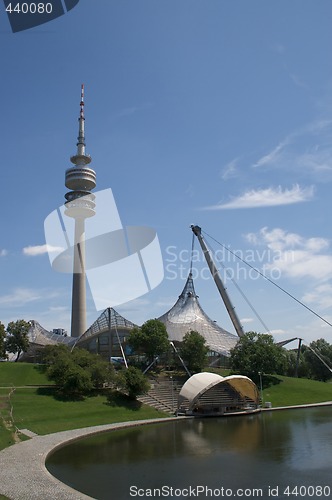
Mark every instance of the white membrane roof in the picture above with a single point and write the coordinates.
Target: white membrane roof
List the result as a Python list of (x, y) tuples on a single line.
[(187, 314)]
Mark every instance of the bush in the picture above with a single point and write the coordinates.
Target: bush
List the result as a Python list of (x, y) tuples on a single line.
[(133, 382), (76, 373)]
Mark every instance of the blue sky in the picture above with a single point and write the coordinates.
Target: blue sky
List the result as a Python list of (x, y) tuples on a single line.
[(209, 112)]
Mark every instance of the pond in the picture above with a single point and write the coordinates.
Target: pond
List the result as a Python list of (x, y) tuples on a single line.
[(277, 454)]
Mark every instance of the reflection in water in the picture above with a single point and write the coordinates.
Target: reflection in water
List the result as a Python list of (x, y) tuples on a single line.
[(258, 451)]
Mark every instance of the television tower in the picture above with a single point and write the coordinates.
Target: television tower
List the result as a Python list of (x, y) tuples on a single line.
[(80, 179)]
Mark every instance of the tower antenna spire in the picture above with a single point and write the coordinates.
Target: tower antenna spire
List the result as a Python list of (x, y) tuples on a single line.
[(81, 132), (82, 101)]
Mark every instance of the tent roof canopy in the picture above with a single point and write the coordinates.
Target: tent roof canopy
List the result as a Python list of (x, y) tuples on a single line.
[(187, 314)]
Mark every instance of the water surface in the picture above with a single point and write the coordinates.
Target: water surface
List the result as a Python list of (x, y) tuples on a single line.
[(255, 456)]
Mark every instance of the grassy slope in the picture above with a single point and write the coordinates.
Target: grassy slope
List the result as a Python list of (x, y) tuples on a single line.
[(37, 410), (293, 391), (20, 374), (43, 414)]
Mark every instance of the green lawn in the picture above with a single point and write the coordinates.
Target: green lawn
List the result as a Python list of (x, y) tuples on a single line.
[(297, 391), (20, 374), (38, 411)]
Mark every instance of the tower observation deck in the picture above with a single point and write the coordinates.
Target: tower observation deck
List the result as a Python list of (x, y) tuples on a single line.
[(80, 179)]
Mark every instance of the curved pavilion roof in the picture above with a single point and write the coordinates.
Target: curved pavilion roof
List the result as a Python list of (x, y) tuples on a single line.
[(107, 321), (200, 383), (40, 336), (187, 314)]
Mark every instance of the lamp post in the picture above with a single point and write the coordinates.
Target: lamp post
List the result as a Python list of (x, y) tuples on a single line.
[(261, 386), (171, 378)]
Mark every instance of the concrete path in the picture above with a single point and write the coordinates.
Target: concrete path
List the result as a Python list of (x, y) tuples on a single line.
[(23, 475)]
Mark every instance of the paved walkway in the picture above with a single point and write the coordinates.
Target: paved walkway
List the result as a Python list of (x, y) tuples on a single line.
[(23, 475)]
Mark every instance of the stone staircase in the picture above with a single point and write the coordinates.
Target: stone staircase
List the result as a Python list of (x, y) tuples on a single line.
[(163, 395)]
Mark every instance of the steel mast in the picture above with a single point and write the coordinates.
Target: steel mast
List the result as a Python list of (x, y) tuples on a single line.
[(222, 290)]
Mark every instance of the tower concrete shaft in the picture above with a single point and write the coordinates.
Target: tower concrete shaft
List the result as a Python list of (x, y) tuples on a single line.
[(78, 312), (80, 205)]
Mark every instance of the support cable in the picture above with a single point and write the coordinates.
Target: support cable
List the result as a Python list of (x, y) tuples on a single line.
[(308, 346), (318, 356), (120, 344), (243, 296), (271, 281)]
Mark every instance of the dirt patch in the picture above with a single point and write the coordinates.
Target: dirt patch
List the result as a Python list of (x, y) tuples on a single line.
[(6, 419)]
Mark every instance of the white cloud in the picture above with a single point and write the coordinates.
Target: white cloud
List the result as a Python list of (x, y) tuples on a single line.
[(301, 264), (277, 332), (54, 317), (295, 256), (58, 309), (308, 150), (20, 297), (32, 251), (246, 320), (278, 239), (321, 296), (268, 197), (230, 170), (3, 252), (272, 157)]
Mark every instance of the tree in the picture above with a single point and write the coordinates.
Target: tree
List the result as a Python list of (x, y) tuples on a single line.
[(76, 372), (317, 369), (291, 364), (17, 337), (100, 371), (3, 354), (51, 353), (132, 381), (150, 339), (76, 381), (194, 351), (257, 352)]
